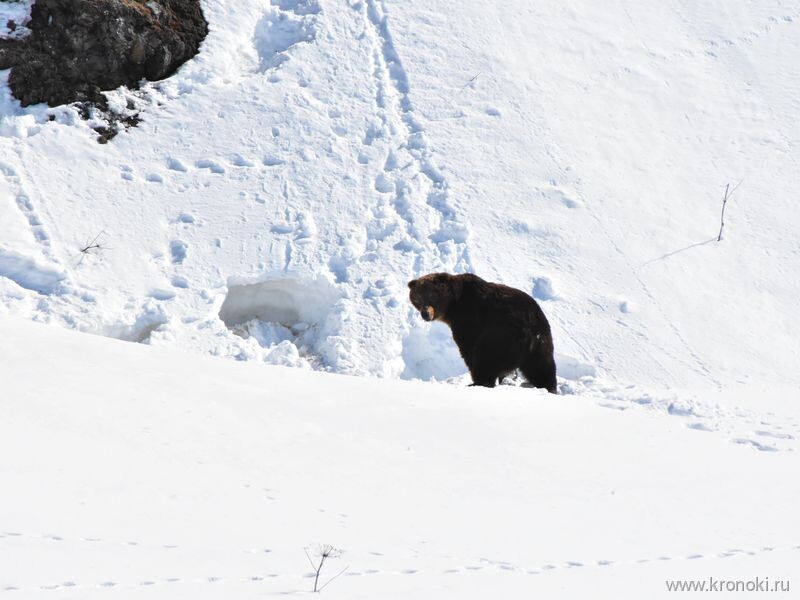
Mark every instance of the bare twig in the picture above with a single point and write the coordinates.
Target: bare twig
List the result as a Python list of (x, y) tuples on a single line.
[(93, 244), (89, 246), (722, 216), (466, 85), (728, 194), (334, 577), (311, 562), (319, 568)]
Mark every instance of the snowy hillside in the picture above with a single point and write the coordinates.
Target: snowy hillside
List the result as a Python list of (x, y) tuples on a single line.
[(326, 153), (278, 194), (146, 473)]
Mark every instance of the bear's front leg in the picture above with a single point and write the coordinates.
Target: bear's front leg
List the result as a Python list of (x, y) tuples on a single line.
[(493, 356)]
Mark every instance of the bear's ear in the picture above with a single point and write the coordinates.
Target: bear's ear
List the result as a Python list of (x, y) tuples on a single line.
[(412, 283), (457, 285)]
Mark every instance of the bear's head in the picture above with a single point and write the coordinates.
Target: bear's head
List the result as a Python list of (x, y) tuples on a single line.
[(433, 295)]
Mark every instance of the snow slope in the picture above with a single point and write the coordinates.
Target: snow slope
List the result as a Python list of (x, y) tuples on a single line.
[(595, 143), (335, 150), (142, 472), (280, 191)]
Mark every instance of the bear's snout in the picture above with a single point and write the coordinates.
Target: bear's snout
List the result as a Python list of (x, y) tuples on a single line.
[(428, 313)]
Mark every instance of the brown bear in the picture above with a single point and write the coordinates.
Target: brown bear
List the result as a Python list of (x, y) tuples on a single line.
[(497, 329)]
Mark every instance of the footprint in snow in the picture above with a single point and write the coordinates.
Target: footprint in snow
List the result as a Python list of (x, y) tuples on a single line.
[(273, 161), (175, 164), (699, 426), (185, 218), (613, 406), (237, 160), (211, 165), (774, 434), (158, 294), (755, 444), (178, 250)]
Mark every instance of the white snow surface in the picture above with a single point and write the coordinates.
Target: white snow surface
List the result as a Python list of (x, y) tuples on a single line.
[(136, 472), (279, 192), (575, 150)]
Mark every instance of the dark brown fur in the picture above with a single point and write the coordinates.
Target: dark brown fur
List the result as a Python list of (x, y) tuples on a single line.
[(497, 329)]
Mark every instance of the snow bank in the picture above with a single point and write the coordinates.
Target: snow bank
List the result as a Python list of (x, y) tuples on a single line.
[(141, 471), (29, 273), (286, 315)]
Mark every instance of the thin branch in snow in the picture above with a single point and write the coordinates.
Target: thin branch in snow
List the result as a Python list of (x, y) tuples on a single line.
[(93, 244), (324, 552), (466, 85), (728, 194), (89, 246), (334, 577)]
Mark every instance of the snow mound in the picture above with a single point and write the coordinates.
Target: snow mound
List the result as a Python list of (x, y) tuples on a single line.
[(288, 316), (146, 322), (29, 273), (285, 300), (282, 27), (429, 353)]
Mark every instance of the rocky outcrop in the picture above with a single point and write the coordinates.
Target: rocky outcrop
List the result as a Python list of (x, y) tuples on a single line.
[(78, 48)]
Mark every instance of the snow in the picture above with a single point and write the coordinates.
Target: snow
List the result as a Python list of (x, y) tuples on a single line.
[(26, 273), (267, 212), (145, 471), (581, 157), (14, 15)]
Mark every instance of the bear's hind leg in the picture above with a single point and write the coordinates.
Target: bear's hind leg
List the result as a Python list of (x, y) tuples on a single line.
[(540, 371)]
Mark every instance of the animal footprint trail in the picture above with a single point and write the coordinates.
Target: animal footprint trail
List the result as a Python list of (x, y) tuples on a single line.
[(420, 189), (465, 566), (736, 425), (27, 208)]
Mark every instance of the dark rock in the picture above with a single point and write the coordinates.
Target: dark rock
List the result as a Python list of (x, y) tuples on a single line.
[(78, 48)]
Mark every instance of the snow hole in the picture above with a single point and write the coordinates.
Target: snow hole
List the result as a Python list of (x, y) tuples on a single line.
[(285, 315)]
